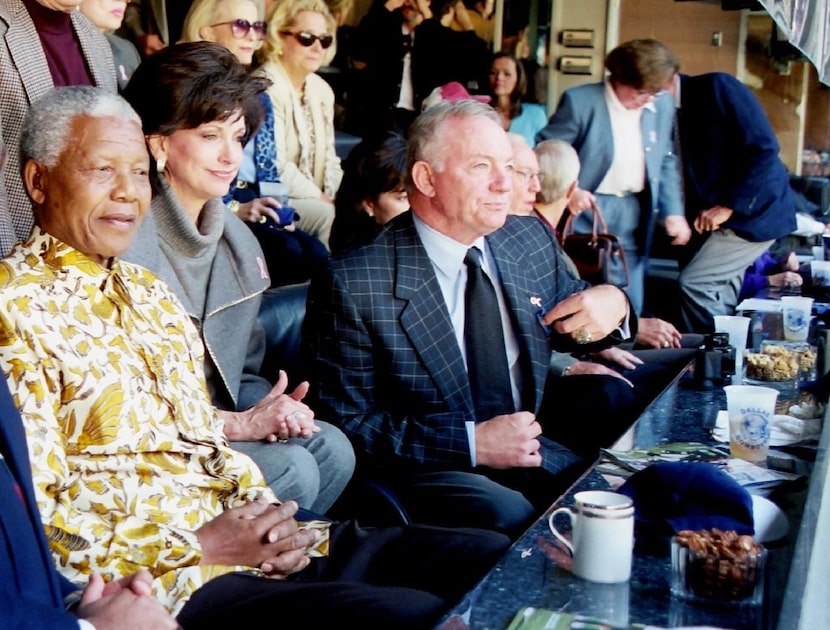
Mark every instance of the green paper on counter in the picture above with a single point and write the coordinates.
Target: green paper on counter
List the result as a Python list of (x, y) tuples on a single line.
[(530, 618)]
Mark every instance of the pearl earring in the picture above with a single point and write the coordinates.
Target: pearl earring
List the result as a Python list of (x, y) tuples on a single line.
[(160, 164)]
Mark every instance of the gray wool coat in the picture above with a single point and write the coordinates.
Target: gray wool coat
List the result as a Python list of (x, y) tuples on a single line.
[(233, 338)]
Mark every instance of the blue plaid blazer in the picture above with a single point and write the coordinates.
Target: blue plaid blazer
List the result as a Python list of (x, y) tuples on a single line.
[(384, 362)]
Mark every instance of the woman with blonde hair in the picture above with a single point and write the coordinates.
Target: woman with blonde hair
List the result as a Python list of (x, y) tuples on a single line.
[(300, 40), (236, 24)]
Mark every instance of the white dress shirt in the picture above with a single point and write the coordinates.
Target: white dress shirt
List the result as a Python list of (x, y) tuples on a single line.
[(627, 173)]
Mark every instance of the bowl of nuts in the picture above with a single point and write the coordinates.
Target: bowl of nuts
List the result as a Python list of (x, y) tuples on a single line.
[(781, 361), (717, 567)]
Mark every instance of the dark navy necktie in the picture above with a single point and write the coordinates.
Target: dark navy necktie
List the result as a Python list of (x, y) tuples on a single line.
[(487, 366)]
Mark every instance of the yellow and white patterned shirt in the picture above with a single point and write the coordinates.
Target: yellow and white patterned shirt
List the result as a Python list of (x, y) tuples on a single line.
[(128, 454)]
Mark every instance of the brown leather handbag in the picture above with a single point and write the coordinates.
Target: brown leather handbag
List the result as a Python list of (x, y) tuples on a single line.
[(594, 253)]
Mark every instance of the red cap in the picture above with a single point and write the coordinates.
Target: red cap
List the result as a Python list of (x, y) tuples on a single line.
[(452, 92)]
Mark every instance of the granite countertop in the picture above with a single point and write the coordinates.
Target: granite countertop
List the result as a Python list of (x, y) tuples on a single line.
[(533, 572)]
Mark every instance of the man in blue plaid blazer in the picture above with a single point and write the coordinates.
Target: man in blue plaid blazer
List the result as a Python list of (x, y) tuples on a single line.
[(384, 334)]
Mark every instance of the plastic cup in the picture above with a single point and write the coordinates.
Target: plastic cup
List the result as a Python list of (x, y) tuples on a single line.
[(737, 327), (278, 190), (750, 409), (818, 252), (820, 273), (796, 317)]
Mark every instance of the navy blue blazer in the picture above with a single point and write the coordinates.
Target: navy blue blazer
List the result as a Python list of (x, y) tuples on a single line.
[(32, 591), (582, 119), (385, 362), (730, 157)]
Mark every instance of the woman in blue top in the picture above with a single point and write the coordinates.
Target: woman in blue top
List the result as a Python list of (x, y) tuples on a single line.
[(508, 86)]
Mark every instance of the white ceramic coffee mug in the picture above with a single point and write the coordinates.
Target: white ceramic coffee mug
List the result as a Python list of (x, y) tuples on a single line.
[(603, 535)]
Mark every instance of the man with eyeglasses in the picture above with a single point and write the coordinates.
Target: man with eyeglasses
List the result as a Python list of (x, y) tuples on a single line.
[(622, 131), (525, 176)]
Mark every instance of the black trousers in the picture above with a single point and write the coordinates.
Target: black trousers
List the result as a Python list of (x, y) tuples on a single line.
[(395, 577)]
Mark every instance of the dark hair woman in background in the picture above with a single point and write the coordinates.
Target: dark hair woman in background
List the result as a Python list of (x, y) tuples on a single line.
[(372, 193), (508, 87)]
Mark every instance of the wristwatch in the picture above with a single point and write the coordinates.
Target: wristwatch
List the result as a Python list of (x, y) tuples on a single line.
[(233, 206)]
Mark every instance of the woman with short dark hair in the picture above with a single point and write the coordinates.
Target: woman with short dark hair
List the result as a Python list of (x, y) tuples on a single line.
[(199, 106), (292, 255), (372, 193)]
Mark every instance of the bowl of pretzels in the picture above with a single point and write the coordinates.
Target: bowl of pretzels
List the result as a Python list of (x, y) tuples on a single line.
[(717, 567)]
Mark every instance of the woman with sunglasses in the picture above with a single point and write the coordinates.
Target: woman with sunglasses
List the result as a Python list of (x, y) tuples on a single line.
[(292, 255), (236, 24), (299, 42)]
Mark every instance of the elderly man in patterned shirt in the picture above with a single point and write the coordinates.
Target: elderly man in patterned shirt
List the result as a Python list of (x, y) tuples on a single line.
[(130, 464)]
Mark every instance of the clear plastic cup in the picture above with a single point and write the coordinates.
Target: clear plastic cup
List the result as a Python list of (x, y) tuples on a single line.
[(750, 409), (737, 327), (796, 314), (820, 272)]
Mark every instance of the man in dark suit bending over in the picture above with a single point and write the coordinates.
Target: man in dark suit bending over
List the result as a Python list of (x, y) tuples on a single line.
[(392, 356), (738, 195)]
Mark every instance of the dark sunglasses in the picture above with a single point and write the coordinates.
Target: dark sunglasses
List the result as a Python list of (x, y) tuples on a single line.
[(307, 39), (240, 28)]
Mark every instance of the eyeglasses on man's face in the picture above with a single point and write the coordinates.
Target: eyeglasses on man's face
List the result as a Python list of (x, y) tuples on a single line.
[(307, 39), (240, 28), (525, 176), (648, 94)]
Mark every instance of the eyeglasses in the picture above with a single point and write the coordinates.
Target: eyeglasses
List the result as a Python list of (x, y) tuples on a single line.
[(650, 93), (240, 28), (526, 176), (307, 39)]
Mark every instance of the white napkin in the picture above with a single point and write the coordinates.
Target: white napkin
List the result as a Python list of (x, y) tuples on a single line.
[(785, 429)]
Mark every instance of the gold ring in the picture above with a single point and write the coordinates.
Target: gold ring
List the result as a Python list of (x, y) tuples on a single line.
[(583, 336), (262, 218)]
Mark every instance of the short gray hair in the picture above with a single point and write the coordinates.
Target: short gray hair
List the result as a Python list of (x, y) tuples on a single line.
[(426, 135), (558, 168), (49, 119)]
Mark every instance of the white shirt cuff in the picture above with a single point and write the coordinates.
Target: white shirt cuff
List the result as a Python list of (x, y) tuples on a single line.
[(471, 439)]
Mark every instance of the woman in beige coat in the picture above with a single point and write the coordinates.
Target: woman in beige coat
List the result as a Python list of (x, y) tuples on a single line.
[(300, 40)]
